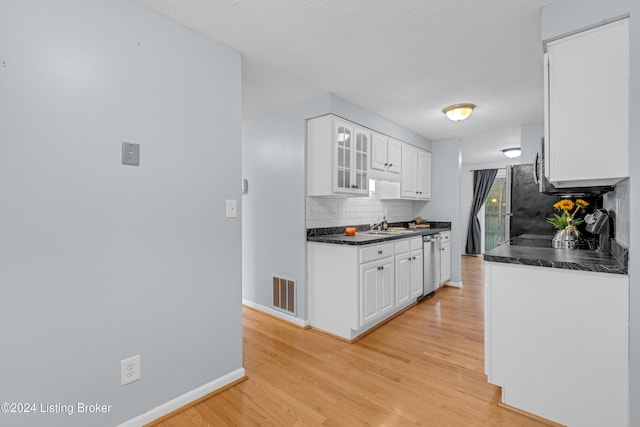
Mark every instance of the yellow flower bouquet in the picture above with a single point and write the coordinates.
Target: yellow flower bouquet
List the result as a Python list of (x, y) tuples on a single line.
[(568, 210)]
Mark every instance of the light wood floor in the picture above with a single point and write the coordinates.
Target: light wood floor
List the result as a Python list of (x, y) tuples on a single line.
[(425, 367)]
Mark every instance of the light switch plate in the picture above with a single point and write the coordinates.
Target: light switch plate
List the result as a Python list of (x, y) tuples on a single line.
[(130, 154), (232, 208)]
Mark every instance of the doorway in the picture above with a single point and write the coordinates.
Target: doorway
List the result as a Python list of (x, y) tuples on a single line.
[(496, 219)]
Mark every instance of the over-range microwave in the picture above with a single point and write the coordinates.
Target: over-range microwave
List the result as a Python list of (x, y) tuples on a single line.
[(547, 187)]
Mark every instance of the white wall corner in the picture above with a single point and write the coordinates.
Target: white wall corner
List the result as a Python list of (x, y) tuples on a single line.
[(184, 399), (454, 284), (276, 313)]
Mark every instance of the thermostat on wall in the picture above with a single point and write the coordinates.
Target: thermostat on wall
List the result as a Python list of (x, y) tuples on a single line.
[(130, 154)]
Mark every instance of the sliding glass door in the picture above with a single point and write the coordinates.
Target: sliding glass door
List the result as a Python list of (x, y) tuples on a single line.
[(496, 216)]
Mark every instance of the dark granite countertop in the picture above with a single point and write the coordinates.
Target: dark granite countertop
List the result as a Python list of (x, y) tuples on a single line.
[(570, 259), (338, 237)]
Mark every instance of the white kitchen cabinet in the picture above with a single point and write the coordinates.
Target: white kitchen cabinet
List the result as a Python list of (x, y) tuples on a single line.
[(337, 157), (376, 290), (386, 157), (587, 107), (403, 278), (409, 274), (417, 274), (556, 341), (424, 175), (445, 257), (353, 288), (416, 173)]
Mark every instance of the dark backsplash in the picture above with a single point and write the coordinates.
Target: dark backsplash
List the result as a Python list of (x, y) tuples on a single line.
[(531, 208)]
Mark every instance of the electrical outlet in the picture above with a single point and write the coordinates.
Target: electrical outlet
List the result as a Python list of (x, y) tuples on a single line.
[(130, 370)]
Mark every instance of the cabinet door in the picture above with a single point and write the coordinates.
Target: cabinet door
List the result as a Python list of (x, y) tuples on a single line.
[(369, 274), (360, 158), (424, 175), (394, 156), (445, 263), (386, 303), (378, 152), (588, 109), (343, 140), (403, 278), (416, 273), (409, 183)]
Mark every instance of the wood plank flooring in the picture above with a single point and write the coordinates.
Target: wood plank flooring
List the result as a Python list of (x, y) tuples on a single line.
[(423, 368)]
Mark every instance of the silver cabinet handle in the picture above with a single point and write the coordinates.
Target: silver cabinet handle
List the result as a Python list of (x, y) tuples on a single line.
[(380, 252)]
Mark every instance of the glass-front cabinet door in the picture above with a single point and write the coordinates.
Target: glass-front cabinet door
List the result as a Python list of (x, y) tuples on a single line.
[(362, 160), (344, 142), (352, 150)]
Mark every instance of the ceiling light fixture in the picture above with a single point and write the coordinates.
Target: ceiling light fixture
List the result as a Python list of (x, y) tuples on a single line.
[(458, 112), (512, 152)]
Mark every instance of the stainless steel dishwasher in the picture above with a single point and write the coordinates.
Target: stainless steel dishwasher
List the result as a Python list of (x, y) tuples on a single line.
[(431, 255)]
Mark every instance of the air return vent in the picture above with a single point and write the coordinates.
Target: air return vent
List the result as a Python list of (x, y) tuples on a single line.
[(284, 294)]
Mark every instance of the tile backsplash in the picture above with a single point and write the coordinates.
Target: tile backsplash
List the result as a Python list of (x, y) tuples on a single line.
[(330, 212)]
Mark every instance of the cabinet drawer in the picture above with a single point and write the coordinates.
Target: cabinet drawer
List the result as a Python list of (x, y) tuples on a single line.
[(373, 253), (402, 246), (416, 243), (446, 237)]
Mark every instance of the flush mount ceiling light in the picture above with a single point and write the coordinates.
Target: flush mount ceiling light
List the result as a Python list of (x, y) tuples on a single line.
[(458, 112), (512, 152)]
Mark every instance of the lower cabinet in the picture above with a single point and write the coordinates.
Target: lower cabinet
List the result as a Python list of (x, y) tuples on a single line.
[(353, 288), (445, 257), (409, 271), (557, 342), (376, 289)]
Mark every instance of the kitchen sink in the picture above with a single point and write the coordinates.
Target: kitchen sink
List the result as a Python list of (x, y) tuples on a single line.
[(387, 232)]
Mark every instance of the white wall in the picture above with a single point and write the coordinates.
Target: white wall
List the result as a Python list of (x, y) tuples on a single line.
[(273, 160), (101, 261), (530, 142), (445, 196), (566, 16), (273, 218)]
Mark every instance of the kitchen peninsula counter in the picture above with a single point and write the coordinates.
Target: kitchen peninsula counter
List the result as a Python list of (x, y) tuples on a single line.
[(550, 316), (571, 259)]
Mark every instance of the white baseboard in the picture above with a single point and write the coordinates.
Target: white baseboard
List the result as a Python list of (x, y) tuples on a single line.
[(454, 284), (275, 313), (184, 399)]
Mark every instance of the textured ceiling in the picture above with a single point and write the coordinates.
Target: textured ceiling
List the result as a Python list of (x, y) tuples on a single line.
[(403, 60)]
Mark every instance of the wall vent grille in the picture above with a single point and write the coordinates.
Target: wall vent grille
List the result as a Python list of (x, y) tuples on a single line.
[(284, 294)]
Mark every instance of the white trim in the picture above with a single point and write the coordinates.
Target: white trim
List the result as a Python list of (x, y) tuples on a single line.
[(454, 284), (184, 399), (276, 313)]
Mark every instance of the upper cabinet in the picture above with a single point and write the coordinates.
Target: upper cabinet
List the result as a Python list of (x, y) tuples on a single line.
[(416, 173), (386, 157), (587, 107), (337, 157), (342, 157)]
